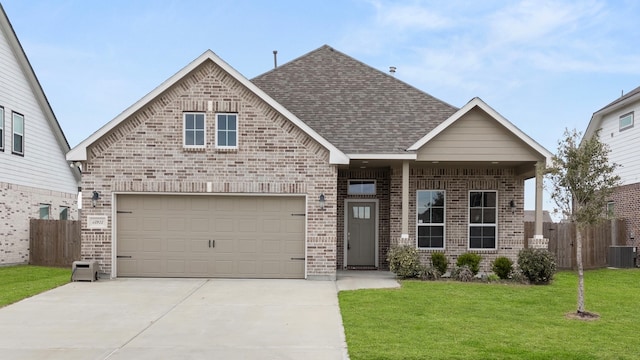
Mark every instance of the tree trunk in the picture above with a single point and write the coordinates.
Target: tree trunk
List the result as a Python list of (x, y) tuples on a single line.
[(580, 270)]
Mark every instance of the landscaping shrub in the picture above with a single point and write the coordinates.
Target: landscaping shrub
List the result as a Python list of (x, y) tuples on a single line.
[(472, 260), (537, 265), (439, 261), (429, 273), (463, 273), (404, 261), (502, 267)]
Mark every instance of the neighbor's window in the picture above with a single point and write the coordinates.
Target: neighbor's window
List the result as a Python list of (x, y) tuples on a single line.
[(194, 130), (64, 213), (227, 131), (626, 121), (430, 208), (483, 216), (45, 211), (361, 187), (1, 128), (18, 133), (610, 209)]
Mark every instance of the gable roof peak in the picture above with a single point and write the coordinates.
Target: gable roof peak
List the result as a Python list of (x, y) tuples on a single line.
[(79, 153)]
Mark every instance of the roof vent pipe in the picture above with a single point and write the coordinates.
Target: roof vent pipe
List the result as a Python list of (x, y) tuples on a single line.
[(392, 70), (275, 59)]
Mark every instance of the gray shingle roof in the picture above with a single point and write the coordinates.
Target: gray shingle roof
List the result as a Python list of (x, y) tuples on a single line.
[(355, 107), (622, 98)]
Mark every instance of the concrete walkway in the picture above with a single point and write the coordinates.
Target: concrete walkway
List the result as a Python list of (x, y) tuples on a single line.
[(181, 319)]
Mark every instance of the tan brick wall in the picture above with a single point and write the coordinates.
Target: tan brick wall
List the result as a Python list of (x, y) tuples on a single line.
[(458, 182), (145, 154), (19, 204), (627, 206)]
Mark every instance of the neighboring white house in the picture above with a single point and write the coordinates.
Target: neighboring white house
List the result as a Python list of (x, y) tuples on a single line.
[(619, 132), (35, 179)]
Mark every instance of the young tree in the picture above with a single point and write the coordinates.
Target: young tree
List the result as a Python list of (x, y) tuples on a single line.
[(582, 180)]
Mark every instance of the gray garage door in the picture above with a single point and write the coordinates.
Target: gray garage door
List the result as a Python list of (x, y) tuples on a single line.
[(210, 236)]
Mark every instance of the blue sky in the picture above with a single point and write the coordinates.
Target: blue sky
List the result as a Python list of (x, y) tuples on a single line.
[(544, 65)]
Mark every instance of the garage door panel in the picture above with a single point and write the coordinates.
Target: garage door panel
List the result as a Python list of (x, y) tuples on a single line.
[(152, 224), (168, 235), (152, 203), (150, 245), (176, 224), (223, 268)]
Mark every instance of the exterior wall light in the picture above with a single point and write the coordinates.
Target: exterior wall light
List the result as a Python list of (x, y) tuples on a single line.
[(512, 205), (322, 201), (95, 198)]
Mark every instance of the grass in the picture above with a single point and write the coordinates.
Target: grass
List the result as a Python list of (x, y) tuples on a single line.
[(23, 281), (452, 320)]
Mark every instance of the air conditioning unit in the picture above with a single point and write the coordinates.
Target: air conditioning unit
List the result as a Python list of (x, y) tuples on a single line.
[(622, 256), (84, 271)]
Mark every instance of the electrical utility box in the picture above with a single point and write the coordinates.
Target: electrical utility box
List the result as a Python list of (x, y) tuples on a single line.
[(84, 271)]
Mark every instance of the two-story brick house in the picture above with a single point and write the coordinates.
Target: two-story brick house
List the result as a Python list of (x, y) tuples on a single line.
[(319, 164), (35, 178)]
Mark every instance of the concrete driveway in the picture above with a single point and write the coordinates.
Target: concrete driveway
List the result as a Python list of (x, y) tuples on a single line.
[(177, 319)]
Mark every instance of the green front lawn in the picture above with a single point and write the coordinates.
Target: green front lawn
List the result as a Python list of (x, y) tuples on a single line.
[(22, 281), (453, 320)]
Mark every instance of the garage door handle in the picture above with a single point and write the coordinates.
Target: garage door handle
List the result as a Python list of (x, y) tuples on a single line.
[(297, 258), (123, 257), (212, 243)]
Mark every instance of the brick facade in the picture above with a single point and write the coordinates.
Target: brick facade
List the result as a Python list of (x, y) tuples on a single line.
[(19, 204), (457, 182), (144, 154), (627, 206)]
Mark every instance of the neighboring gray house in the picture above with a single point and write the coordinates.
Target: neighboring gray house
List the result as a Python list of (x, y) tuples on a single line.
[(317, 165), (618, 131), (35, 179)]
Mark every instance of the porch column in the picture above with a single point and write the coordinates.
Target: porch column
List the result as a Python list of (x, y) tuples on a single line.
[(539, 188), (405, 201)]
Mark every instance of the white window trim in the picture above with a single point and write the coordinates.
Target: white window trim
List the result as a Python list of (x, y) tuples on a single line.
[(40, 207), (444, 224), (13, 133), (469, 224), (237, 131), (629, 114), (184, 130), (375, 186), (2, 128)]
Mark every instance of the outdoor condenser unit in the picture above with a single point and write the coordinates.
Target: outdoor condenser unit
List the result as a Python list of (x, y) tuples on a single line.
[(84, 270), (622, 256)]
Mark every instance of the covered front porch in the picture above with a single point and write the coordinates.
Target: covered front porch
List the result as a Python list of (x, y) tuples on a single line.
[(458, 189)]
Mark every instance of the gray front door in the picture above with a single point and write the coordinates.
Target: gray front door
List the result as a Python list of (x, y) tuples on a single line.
[(361, 234)]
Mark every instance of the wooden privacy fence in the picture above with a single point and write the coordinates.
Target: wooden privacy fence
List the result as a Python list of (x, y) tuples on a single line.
[(54, 242), (595, 245)]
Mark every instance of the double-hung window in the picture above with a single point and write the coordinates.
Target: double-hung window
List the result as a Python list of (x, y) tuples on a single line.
[(194, 130), (483, 216), (430, 208), (18, 133), (1, 128), (227, 131)]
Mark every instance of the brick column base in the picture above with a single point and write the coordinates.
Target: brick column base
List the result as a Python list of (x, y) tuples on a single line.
[(539, 243)]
